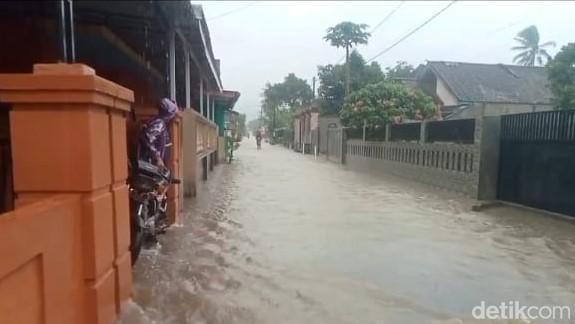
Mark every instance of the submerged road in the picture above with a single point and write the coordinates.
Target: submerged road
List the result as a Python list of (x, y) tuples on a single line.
[(278, 237)]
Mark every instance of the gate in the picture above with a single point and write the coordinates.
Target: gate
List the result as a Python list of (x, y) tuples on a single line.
[(537, 160), (335, 145)]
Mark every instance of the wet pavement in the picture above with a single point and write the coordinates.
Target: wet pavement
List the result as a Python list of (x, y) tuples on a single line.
[(278, 237)]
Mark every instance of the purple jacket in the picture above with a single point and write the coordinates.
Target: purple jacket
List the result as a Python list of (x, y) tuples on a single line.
[(155, 135), (153, 140)]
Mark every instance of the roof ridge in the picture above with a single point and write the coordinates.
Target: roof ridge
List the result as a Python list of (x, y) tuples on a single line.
[(489, 64)]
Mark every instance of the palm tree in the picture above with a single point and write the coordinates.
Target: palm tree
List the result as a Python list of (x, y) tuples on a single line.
[(530, 48), (347, 34)]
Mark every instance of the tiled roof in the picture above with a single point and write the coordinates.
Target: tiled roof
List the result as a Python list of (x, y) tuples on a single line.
[(474, 82)]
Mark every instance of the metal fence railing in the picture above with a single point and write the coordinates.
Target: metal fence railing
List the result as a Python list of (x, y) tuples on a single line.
[(371, 133), (545, 126), (405, 132), (536, 159), (460, 131)]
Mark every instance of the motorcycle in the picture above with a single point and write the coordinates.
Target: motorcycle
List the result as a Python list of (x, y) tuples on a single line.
[(259, 142), (149, 185)]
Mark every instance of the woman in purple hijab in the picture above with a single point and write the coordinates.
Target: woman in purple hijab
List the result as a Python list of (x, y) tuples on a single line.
[(155, 136)]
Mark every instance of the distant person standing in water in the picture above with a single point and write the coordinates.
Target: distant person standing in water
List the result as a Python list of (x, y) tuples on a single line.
[(259, 139)]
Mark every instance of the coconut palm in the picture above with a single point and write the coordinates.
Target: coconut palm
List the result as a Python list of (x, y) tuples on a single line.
[(347, 34), (531, 50)]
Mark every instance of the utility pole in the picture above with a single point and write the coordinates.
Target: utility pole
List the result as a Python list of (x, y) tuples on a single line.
[(274, 124), (347, 70), (313, 86)]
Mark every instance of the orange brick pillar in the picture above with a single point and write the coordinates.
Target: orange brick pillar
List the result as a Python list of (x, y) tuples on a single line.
[(175, 193), (190, 152), (68, 129)]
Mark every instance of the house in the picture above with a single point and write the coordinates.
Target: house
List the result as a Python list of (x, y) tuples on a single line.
[(77, 78), (306, 126), (468, 90), (224, 103)]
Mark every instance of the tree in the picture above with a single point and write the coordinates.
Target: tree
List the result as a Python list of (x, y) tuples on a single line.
[(295, 92), (331, 90), (531, 50), (242, 125), (401, 70), (254, 125), (381, 103), (281, 99), (561, 74), (271, 102), (347, 34)]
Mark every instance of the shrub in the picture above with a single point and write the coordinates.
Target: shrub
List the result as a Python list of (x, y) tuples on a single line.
[(385, 102)]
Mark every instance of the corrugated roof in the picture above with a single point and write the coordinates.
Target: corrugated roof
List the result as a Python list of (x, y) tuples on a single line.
[(198, 13), (227, 98), (475, 82)]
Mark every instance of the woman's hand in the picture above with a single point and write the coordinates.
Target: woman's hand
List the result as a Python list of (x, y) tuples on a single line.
[(160, 162)]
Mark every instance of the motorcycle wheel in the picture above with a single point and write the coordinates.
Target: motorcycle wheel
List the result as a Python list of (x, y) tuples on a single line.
[(136, 238)]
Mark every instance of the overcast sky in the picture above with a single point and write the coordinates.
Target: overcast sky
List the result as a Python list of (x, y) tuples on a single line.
[(261, 42)]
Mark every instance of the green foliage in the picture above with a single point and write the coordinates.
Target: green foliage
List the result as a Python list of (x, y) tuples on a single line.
[(295, 92), (254, 125), (331, 90), (284, 119), (401, 70), (347, 34), (292, 93), (561, 74), (280, 100), (241, 125), (531, 50), (380, 103)]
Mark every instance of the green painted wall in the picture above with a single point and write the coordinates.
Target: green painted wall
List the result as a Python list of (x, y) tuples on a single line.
[(219, 116)]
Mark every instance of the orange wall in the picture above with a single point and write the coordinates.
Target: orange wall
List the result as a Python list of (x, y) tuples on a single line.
[(41, 278), (65, 248), (68, 136)]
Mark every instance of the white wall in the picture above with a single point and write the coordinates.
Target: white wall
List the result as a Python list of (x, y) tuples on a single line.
[(296, 132), (314, 122), (444, 94)]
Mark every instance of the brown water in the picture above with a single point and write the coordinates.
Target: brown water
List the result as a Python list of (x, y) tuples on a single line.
[(277, 237)]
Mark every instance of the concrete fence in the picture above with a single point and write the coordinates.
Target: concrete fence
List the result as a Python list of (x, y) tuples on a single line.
[(207, 136), (471, 169), (450, 166), (200, 145)]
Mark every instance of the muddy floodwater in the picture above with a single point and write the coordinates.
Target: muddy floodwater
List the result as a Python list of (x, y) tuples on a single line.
[(278, 237)]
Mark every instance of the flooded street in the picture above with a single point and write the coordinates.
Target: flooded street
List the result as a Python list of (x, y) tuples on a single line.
[(278, 237)]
